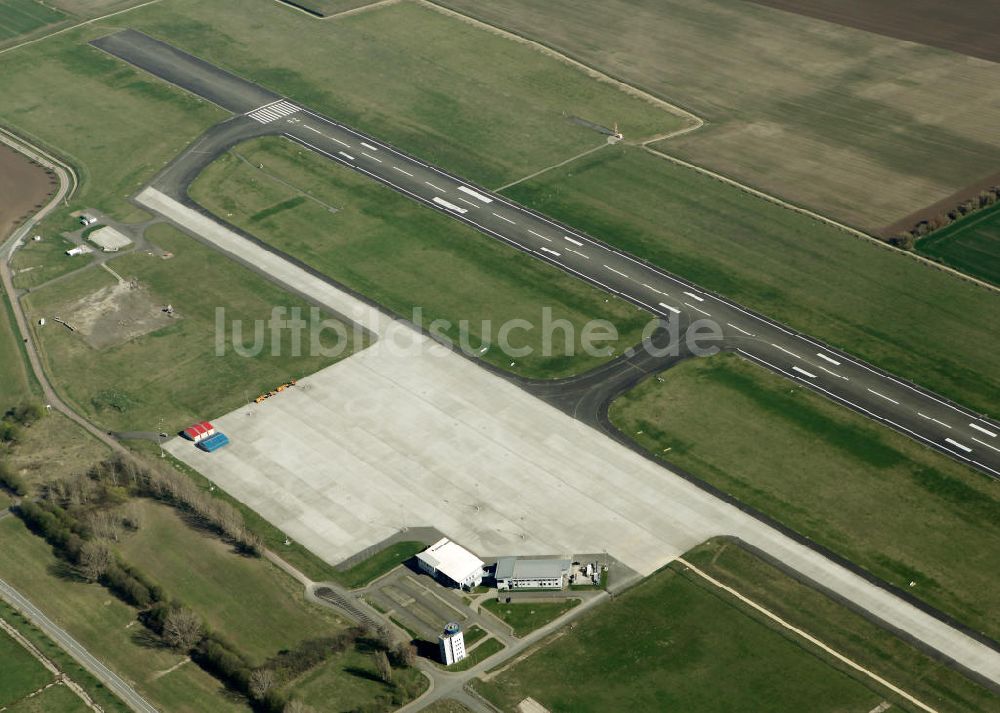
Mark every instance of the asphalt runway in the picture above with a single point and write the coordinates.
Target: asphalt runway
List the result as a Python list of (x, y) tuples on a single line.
[(903, 406)]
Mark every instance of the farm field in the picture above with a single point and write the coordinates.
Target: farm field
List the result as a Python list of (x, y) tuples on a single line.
[(971, 245), (105, 626), (842, 121), (256, 606), (970, 27), (22, 673), (883, 307), (828, 474), (20, 17), (486, 107), (404, 256), (679, 645), (132, 384)]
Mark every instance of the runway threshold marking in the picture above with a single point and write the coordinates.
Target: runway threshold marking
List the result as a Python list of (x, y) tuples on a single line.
[(475, 194), (346, 155), (955, 443), (369, 146), (539, 235), (449, 206), (803, 371), (931, 418), (407, 173), (983, 430), (575, 242), (550, 250), (884, 396)]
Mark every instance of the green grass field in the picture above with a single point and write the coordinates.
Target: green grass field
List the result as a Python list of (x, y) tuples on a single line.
[(57, 699), (477, 655), (349, 682), (405, 256), (37, 263), (95, 689), (378, 564), (900, 510), (971, 245), (16, 382), (22, 673), (19, 17), (131, 386), (106, 627), (329, 7), (672, 643), (823, 115), (881, 306), (252, 603), (525, 617), (854, 636), (490, 109)]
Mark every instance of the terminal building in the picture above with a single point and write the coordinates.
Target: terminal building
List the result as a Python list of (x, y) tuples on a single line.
[(452, 563), (451, 643), (514, 573)]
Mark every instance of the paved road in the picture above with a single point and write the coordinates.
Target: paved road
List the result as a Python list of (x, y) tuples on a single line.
[(924, 416), (104, 674)]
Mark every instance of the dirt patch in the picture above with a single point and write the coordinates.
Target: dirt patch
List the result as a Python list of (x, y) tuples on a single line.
[(970, 27), (24, 185), (116, 314)]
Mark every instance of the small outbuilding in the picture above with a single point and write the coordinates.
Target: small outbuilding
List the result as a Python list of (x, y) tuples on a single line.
[(515, 573), (199, 431), (213, 443), (452, 563)]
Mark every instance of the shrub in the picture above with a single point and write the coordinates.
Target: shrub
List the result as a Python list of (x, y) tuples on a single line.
[(12, 481)]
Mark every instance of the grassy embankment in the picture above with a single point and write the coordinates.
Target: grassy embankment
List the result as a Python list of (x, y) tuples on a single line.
[(402, 255), (900, 510), (172, 373), (678, 642), (971, 245), (883, 307)]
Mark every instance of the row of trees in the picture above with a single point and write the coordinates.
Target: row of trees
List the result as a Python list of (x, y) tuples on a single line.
[(907, 239)]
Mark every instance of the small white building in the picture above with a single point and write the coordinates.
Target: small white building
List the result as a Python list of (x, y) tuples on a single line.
[(87, 220), (453, 563), (514, 573), (451, 643), (79, 250)]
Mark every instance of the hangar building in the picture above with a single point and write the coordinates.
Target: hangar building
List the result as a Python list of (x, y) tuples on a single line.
[(453, 563), (514, 573)]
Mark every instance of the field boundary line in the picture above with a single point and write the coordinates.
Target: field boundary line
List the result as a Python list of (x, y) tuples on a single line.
[(592, 72), (79, 24), (816, 216), (808, 637), (343, 13)]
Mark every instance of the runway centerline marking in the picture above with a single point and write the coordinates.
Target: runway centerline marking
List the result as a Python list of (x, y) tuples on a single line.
[(738, 329), (697, 309), (983, 430), (436, 188), (617, 272), (539, 235), (833, 373), (346, 155), (931, 418), (650, 287), (376, 160), (571, 250), (825, 357), (575, 242), (468, 202), (884, 396), (672, 309), (369, 146), (502, 218), (786, 351), (475, 194), (693, 296), (306, 126), (402, 171)]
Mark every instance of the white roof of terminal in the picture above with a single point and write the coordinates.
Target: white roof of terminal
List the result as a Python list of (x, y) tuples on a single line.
[(451, 560)]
